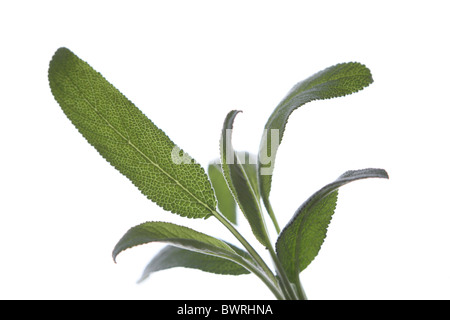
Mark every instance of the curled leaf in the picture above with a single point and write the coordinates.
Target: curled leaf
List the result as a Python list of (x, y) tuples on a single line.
[(300, 241), (240, 183), (336, 81)]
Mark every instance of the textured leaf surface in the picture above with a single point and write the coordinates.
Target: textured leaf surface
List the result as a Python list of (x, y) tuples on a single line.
[(172, 257), (240, 184), (336, 81), (175, 235), (300, 241), (127, 139)]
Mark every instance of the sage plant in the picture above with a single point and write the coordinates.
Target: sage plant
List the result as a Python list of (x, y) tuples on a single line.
[(239, 182)]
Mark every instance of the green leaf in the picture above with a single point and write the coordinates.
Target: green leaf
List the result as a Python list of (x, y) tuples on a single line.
[(248, 162), (336, 81), (179, 236), (172, 257), (128, 140), (225, 200), (240, 184), (301, 239)]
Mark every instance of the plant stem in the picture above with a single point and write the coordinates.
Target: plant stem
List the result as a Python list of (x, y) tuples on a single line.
[(300, 292), (272, 215), (285, 283), (295, 290), (268, 277), (260, 274)]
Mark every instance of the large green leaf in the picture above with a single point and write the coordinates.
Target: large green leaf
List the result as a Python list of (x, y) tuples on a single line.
[(128, 140), (240, 184), (301, 239), (179, 236), (336, 81), (172, 257)]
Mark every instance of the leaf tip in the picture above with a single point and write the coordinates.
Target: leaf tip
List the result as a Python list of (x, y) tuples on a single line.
[(366, 173), (114, 255)]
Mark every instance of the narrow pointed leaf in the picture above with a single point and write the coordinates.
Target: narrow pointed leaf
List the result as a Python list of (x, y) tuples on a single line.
[(128, 140), (336, 81), (249, 164), (172, 257), (240, 184), (178, 236), (225, 200), (301, 239)]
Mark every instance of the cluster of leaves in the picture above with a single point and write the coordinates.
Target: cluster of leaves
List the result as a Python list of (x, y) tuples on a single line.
[(136, 147)]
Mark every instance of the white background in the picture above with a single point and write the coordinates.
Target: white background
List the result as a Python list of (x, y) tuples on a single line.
[(186, 64)]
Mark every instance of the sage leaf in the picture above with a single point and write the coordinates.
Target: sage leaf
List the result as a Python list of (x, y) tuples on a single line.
[(300, 241), (240, 184), (225, 200), (172, 257), (336, 81), (249, 164), (128, 140), (179, 236)]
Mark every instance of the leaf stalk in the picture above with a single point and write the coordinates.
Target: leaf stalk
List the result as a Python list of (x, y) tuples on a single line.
[(267, 276)]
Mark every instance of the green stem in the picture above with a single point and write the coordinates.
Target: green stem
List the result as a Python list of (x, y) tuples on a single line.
[(268, 278), (300, 292), (260, 274), (272, 215), (285, 283)]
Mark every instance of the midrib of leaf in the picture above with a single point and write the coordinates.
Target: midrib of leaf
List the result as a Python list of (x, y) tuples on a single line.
[(129, 142)]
